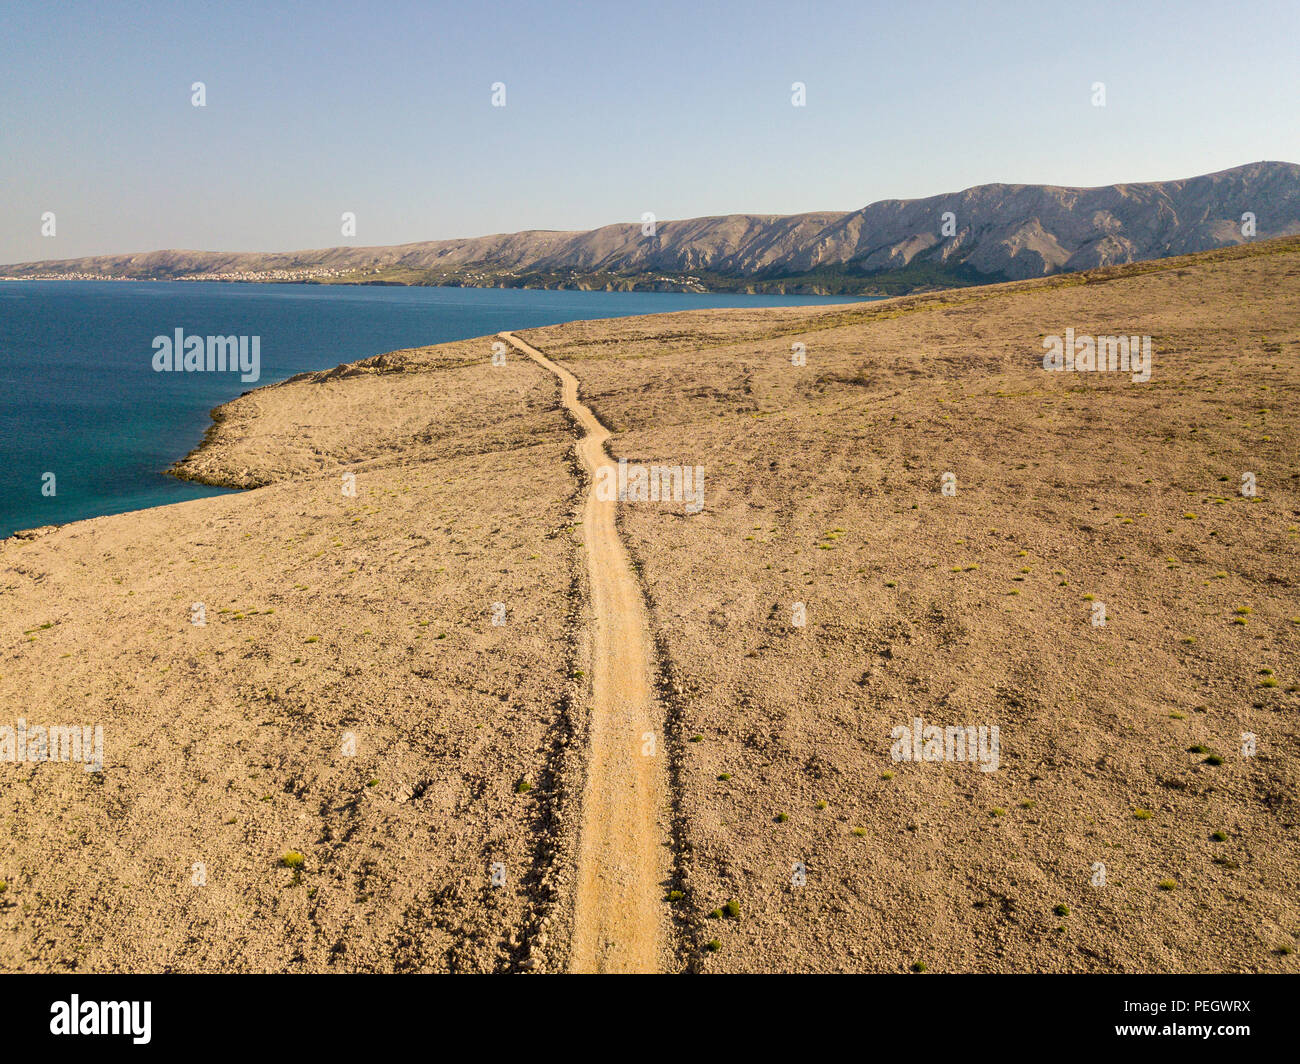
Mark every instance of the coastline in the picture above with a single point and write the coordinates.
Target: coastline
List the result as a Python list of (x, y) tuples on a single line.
[(217, 460), (216, 479), (164, 448), (371, 614), (635, 284)]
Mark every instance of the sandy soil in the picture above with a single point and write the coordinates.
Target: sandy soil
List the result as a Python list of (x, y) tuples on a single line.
[(326, 615), (824, 487), (794, 840)]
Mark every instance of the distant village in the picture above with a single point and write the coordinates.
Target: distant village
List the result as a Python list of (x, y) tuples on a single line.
[(302, 273), (466, 278)]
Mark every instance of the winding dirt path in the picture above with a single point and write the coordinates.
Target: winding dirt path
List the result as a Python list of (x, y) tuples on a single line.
[(622, 854)]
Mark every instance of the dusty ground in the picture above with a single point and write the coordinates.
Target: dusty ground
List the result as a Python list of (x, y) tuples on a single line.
[(1119, 745), (823, 487), (623, 868), (326, 615)]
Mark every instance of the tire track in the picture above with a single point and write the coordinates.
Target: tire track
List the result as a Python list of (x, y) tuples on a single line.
[(623, 865)]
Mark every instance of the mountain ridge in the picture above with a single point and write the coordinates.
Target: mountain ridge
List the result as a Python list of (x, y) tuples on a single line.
[(997, 232)]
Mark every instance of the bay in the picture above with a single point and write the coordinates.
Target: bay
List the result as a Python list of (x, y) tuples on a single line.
[(79, 398)]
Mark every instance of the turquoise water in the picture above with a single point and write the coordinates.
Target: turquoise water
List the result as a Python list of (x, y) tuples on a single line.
[(79, 397)]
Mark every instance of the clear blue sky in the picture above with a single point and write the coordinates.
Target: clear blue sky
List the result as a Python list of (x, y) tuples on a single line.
[(613, 109)]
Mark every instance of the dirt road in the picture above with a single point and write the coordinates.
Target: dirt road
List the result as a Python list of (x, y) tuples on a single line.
[(622, 856)]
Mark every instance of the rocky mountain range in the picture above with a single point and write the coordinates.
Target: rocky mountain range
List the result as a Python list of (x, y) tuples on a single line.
[(987, 233)]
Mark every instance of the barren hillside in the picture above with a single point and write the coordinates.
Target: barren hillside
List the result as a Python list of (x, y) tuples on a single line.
[(1120, 744), (987, 233)]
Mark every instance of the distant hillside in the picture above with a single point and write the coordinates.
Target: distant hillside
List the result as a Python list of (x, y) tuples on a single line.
[(998, 232)]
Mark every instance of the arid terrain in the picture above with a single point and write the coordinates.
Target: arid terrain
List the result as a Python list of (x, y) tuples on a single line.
[(381, 750)]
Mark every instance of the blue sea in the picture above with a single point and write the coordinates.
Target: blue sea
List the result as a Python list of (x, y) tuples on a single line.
[(79, 397)]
